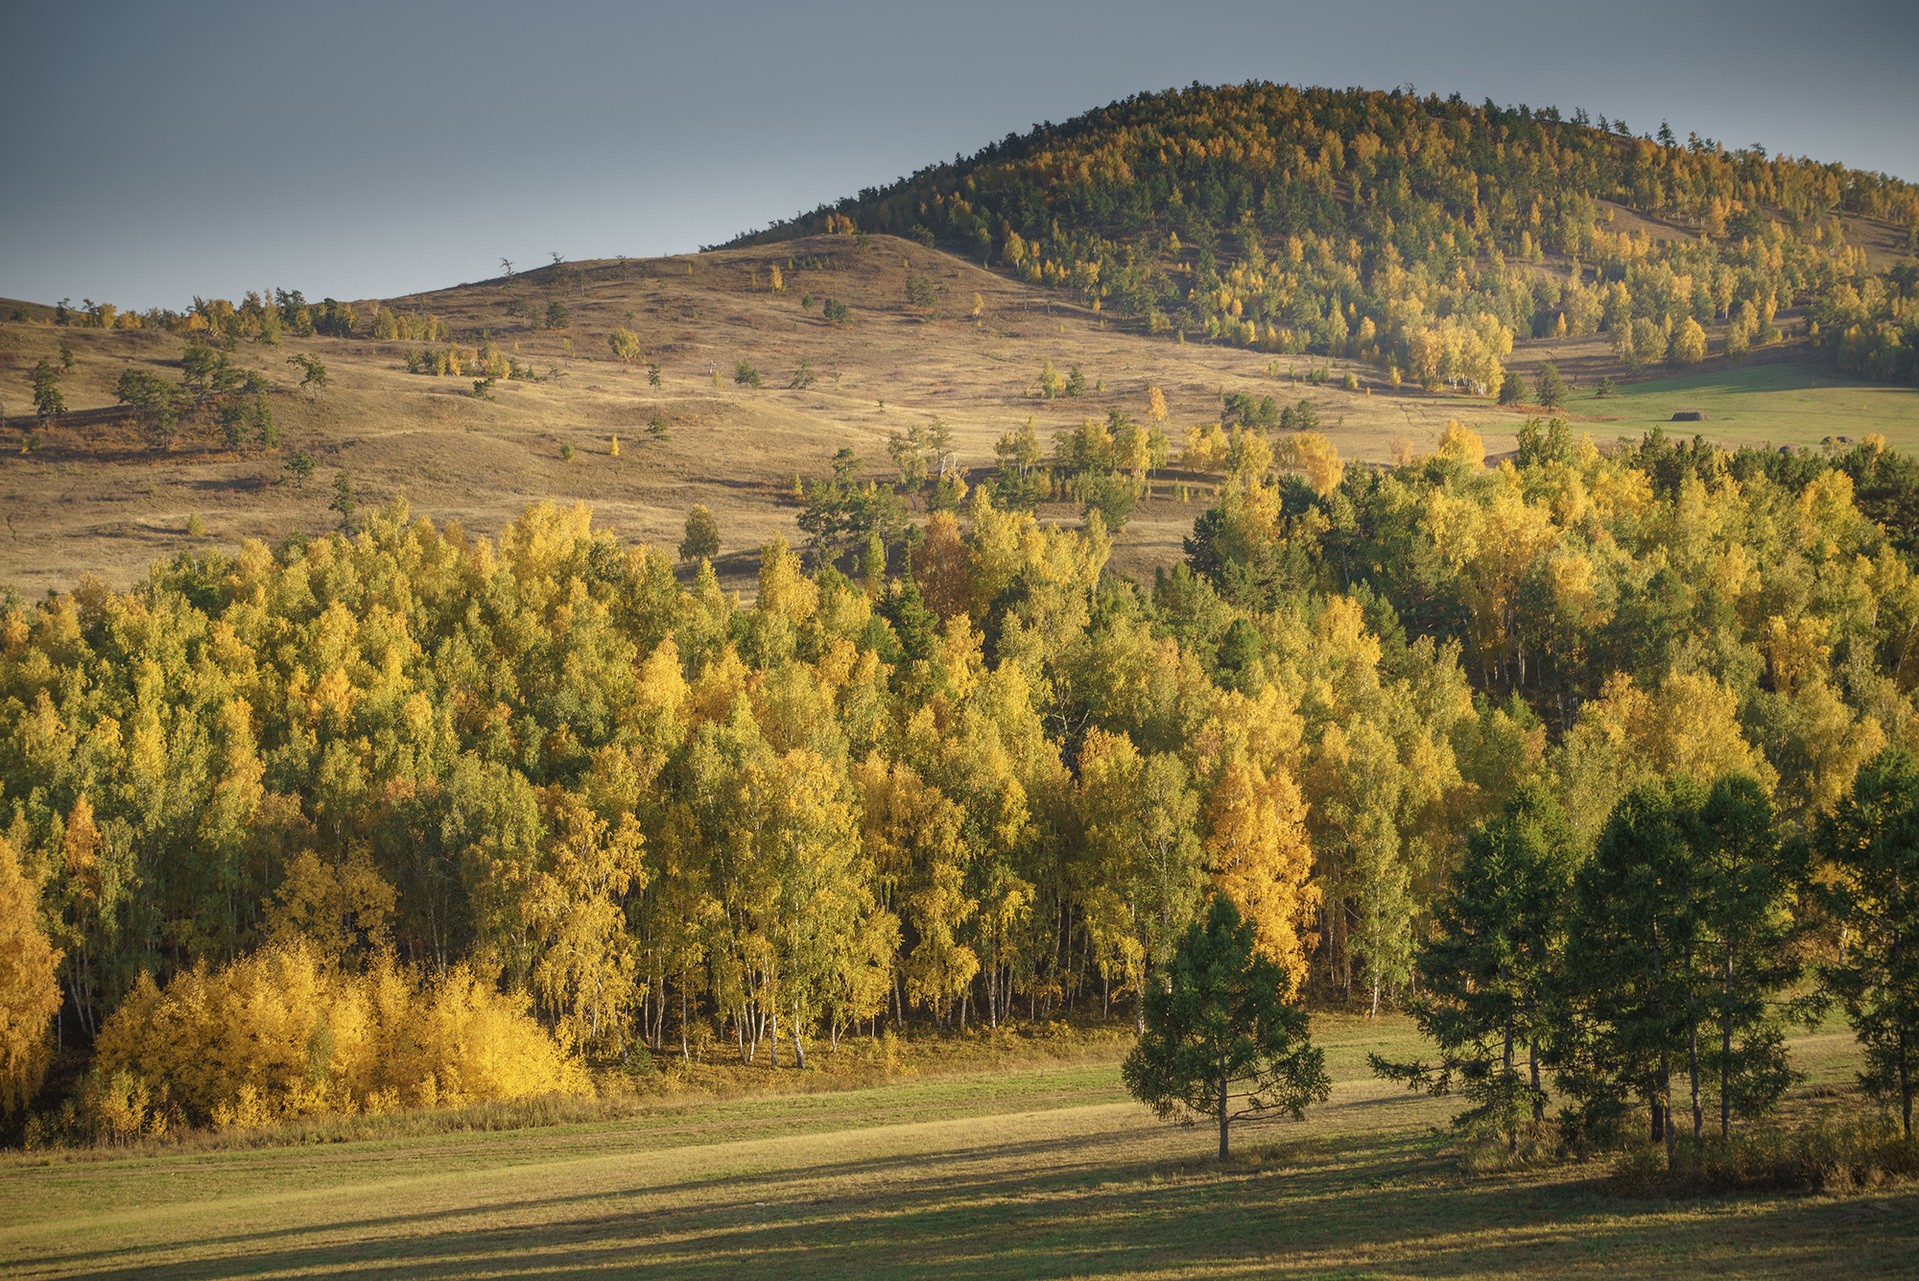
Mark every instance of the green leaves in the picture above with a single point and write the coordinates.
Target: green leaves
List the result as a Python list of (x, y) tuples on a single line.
[(1221, 1040)]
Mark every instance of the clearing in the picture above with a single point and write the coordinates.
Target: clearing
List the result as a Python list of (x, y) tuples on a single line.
[(1769, 403)]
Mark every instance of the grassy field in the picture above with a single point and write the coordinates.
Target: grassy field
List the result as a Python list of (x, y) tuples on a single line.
[(1773, 403), (1037, 1171)]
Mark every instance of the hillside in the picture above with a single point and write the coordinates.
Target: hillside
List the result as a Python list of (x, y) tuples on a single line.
[(1207, 242), (1420, 235), (95, 494)]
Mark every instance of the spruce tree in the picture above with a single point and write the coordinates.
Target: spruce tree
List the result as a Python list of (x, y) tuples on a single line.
[(1745, 887)]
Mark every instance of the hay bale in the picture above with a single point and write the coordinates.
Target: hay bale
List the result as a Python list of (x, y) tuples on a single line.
[(1689, 416)]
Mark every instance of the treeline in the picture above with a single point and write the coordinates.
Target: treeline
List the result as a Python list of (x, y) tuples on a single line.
[(985, 780), (1663, 968), (262, 317), (1420, 234)]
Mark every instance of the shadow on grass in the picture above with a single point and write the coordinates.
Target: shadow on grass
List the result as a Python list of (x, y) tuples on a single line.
[(1071, 1206)]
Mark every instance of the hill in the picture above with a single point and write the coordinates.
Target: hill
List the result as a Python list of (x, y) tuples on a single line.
[(94, 492), (1257, 241), (1421, 235)]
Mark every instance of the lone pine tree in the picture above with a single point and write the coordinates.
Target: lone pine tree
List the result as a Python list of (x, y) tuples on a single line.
[(1222, 1039)]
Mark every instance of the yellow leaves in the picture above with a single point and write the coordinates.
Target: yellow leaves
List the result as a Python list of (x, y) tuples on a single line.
[(1828, 518), (1313, 456), (1795, 650), (1260, 857), (939, 565), (1460, 443), (1155, 405), (340, 907), (29, 991), (278, 1034), (721, 684), (1205, 448), (785, 590), (1248, 452)]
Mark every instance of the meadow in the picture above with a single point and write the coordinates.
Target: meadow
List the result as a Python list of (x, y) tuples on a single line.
[(1036, 1167), (1763, 403)]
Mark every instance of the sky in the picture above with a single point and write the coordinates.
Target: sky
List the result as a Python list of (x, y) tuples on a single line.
[(160, 151)]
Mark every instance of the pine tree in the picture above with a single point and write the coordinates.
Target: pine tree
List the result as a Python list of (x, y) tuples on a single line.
[(1874, 840), (1549, 387), (47, 400), (1222, 1040), (1485, 973), (1630, 1004)]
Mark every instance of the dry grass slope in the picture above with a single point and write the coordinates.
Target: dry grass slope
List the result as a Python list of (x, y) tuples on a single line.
[(91, 497)]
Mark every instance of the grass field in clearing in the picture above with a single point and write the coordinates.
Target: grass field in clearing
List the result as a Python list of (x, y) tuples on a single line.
[(1777, 403), (1041, 1171)]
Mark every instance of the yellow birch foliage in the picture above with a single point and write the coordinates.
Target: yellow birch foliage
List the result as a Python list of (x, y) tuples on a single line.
[(29, 994), (278, 1034)]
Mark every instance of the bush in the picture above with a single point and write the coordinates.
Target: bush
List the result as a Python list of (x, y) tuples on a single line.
[(278, 1034), (1837, 1158), (746, 375)]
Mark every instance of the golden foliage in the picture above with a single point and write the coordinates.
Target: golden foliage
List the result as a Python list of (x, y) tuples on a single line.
[(277, 1033), (29, 992)]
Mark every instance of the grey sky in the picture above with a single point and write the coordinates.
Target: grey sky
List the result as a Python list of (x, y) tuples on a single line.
[(157, 151)]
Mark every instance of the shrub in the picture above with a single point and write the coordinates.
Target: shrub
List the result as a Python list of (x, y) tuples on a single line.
[(1837, 1158), (278, 1034)]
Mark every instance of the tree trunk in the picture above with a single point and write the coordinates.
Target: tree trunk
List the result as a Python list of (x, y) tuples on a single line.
[(799, 1049), (1692, 1071), (1223, 1121), (773, 1041), (1506, 1061), (1725, 1054), (1539, 1095)]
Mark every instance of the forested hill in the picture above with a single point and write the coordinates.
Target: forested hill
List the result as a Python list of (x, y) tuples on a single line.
[(1420, 233)]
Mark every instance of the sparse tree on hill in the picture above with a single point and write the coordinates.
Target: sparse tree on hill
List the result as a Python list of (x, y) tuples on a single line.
[(1222, 1040), (702, 540), (313, 369), (1549, 387), (746, 374), (345, 501), (47, 400), (625, 344), (1155, 405)]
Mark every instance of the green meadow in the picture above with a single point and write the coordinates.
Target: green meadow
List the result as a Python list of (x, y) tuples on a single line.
[(1758, 404), (1041, 1169)]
